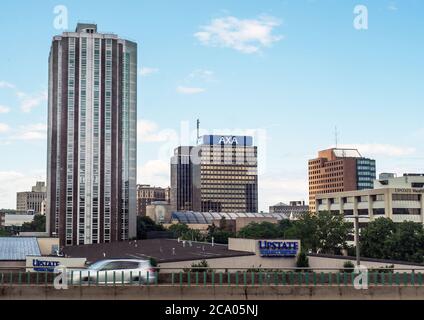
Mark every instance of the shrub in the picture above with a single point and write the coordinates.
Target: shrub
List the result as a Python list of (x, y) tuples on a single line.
[(348, 267), (302, 262), (202, 266)]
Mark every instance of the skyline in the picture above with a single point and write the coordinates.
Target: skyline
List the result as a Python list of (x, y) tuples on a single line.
[(273, 58)]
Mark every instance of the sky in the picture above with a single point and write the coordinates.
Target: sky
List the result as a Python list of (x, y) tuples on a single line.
[(286, 71)]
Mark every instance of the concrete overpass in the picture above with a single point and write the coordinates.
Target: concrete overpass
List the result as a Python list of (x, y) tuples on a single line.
[(169, 292)]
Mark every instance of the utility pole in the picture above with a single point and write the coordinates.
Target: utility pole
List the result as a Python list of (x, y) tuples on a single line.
[(358, 253)]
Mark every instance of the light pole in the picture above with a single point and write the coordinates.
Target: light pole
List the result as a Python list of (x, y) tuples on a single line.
[(356, 226)]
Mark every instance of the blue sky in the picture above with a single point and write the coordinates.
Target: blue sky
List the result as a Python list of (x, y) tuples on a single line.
[(292, 70)]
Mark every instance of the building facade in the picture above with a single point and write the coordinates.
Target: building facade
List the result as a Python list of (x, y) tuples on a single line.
[(182, 180), (339, 170), (218, 175), (397, 204), (32, 201), (294, 207), (92, 137), (147, 194)]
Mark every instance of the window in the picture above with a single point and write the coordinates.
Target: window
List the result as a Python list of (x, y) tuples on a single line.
[(363, 212), (406, 211), (406, 197)]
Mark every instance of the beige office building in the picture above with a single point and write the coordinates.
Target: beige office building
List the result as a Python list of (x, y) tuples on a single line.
[(400, 199), (32, 201)]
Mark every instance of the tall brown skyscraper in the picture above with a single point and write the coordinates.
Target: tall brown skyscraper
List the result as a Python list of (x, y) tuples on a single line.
[(220, 174), (92, 133), (338, 170)]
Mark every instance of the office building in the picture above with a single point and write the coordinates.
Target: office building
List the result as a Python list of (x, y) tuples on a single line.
[(147, 194), (217, 175), (408, 180), (181, 179), (397, 204), (294, 207), (339, 170), (32, 201), (92, 137)]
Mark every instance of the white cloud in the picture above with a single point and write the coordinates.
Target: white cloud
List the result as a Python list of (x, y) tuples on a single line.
[(201, 74), (392, 6), (148, 131), (28, 102), (4, 127), (146, 71), (275, 188), (381, 150), (4, 109), (244, 35), (6, 85), (189, 90), (12, 182), (155, 172), (36, 131)]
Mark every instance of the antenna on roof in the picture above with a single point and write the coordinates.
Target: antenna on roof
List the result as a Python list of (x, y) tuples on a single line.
[(336, 136)]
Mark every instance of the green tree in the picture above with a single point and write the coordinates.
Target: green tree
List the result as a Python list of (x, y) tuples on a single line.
[(407, 243), (263, 230), (302, 261), (323, 232), (37, 225), (4, 233), (377, 237), (145, 225), (220, 234), (179, 229)]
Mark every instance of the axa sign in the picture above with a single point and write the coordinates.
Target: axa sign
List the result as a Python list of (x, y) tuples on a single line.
[(279, 248), (228, 140)]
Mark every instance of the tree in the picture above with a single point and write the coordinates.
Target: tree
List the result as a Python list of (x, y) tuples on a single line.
[(333, 232), (179, 229), (375, 238), (302, 261), (323, 232), (4, 233), (263, 230), (145, 225), (220, 234), (304, 229), (37, 225), (407, 243), (385, 239)]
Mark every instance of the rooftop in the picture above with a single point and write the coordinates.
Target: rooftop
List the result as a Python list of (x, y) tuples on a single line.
[(347, 153), (190, 217), (16, 249), (163, 250)]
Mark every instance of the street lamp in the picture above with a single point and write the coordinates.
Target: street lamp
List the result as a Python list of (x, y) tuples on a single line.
[(356, 226)]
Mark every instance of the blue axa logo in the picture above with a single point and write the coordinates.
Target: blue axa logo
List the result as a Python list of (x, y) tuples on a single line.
[(44, 266), (278, 248)]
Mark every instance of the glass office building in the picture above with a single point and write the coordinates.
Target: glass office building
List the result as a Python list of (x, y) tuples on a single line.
[(365, 173), (218, 175), (92, 133)]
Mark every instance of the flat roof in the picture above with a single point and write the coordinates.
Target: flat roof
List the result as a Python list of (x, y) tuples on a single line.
[(162, 250), (17, 249)]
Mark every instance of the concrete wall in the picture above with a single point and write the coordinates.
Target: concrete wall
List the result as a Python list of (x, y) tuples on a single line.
[(245, 262), (212, 293), (325, 262), (46, 244), (239, 244)]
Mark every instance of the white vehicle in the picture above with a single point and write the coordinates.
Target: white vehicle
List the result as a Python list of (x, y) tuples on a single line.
[(115, 271)]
